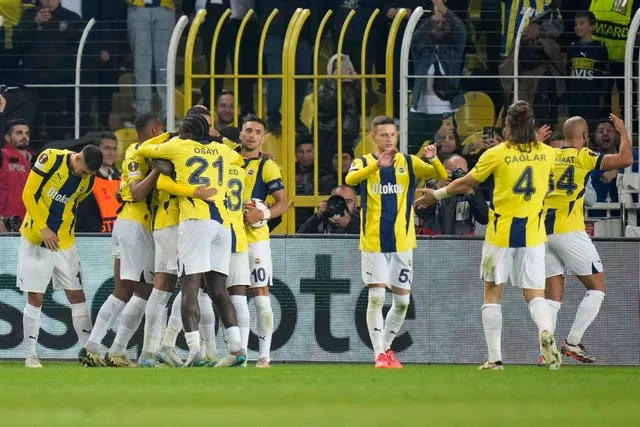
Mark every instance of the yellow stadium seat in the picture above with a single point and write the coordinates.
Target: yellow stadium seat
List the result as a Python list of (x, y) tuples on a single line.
[(126, 137), (477, 112), (308, 107), (273, 145)]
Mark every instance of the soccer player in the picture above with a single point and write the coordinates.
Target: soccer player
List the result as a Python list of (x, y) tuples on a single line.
[(204, 244), (263, 178), (133, 254), (568, 244), (514, 246), (387, 182), (59, 180)]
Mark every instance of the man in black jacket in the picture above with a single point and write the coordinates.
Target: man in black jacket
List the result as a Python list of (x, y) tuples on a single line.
[(327, 222), (456, 215)]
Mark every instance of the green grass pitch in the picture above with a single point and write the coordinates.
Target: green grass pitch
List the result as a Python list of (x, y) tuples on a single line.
[(64, 394)]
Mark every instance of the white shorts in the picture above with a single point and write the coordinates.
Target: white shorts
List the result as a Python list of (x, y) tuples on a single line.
[(37, 266), (203, 245), (166, 248), (576, 251), (239, 270), (522, 267), (133, 246), (260, 267), (390, 269)]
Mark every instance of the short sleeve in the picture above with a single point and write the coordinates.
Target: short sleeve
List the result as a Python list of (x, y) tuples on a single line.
[(272, 177), (486, 164), (588, 159)]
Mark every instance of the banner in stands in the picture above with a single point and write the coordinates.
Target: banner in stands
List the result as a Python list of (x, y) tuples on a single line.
[(320, 305)]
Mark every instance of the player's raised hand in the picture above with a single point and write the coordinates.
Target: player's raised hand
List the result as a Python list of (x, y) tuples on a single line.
[(543, 133), (204, 192), (430, 151), (387, 158), (49, 239), (617, 122), (426, 199)]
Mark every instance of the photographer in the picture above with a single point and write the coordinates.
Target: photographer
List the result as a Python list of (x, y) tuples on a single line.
[(336, 215), (15, 165), (456, 215)]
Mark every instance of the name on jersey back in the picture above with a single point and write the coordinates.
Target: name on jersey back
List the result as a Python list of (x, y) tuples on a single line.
[(525, 158)]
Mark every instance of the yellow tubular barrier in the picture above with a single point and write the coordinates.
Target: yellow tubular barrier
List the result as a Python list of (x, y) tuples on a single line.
[(391, 43), (363, 90), (343, 32), (263, 38), (212, 65), (316, 65), (236, 63), (188, 58)]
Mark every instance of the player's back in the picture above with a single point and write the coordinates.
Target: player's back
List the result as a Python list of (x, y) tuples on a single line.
[(235, 193), (521, 182), (565, 202)]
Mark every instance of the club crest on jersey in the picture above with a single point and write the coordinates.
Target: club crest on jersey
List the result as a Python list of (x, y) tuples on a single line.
[(401, 170), (257, 260), (133, 166), (250, 172)]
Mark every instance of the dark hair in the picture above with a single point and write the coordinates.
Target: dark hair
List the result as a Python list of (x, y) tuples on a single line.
[(521, 126), (223, 93), (304, 138), (143, 120), (231, 132), (588, 15), (107, 135), (253, 118), (381, 120), (8, 129), (194, 127), (199, 110), (92, 156)]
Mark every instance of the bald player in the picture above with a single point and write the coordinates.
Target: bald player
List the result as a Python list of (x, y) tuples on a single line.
[(568, 244)]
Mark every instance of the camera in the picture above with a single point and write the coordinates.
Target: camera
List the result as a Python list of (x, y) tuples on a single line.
[(336, 206), (457, 173), (12, 223)]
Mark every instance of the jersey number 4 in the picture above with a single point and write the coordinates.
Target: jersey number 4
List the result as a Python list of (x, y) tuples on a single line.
[(567, 181), (202, 165), (524, 184)]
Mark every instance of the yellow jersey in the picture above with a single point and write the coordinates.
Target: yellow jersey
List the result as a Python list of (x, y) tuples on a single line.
[(169, 4), (197, 163), (235, 194), (263, 179), (387, 196), (521, 180), (51, 196), (167, 212), (135, 168), (565, 203)]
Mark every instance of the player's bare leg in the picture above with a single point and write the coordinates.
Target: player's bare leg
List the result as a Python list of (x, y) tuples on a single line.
[(393, 322), (217, 290), (264, 324), (585, 315), (492, 325), (541, 314), (163, 286), (31, 328)]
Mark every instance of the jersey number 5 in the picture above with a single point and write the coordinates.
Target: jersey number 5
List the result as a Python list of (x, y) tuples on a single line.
[(202, 165), (524, 184)]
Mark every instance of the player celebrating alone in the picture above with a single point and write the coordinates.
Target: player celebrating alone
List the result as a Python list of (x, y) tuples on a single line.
[(387, 235), (263, 178), (133, 254), (59, 180), (514, 246), (204, 244), (568, 243)]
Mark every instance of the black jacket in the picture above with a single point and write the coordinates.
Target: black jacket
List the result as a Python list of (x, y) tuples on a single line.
[(450, 216), (315, 225)]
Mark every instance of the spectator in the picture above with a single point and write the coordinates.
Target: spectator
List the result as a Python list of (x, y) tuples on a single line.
[(48, 40), (224, 110), (150, 26), (473, 149), (328, 113), (10, 14), (330, 181), (446, 139), (98, 212), (304, 175), (588, 58), (336, 215), (438, 50), (456, 215), (15, 165), (557, 140)]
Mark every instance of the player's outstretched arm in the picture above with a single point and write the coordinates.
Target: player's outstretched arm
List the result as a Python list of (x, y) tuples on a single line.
[(181, 190), (432, 170), (624, 158), (459, 186)]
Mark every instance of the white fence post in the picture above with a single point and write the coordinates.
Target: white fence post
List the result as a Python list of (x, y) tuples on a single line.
[(171, 71), (516, 52), (83, 41)]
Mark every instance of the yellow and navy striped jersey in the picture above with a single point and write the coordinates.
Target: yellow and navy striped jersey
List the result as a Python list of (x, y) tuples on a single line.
[(197, 163), (11, 13), (512, 14), (521, 180), (387, 196), (565, 203), (235, 201), (51, 196), (263, 179), (135, 168)]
